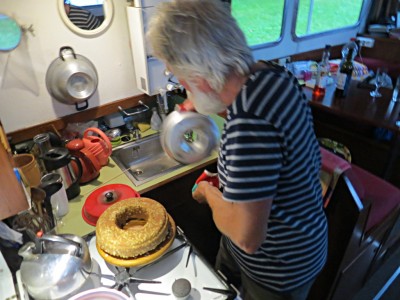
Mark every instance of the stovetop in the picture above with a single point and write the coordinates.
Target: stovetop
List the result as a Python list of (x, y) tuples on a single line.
[(166, 269)]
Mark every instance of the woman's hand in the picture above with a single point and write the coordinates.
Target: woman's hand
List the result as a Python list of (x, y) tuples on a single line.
[(186, 105), (199, 193), (250, 224)]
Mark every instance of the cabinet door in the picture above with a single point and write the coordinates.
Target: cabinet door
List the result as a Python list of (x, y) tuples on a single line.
[(149, 71), (12, 196)]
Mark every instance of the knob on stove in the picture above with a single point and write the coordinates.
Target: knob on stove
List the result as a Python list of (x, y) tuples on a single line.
[(181, 288)]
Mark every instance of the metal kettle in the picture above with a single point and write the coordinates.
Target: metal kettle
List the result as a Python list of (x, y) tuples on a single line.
[(59, 160), (55, 266)]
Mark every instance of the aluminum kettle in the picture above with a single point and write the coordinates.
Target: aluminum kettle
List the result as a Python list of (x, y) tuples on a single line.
[(55, 266)]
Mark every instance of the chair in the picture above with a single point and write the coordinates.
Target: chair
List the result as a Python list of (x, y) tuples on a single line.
[(363, 213)]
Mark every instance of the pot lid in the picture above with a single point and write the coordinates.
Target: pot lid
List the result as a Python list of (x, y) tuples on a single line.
[(102, 198), (189, 137)]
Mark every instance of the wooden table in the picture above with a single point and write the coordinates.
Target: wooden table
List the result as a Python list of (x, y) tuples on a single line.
[(360, 107)]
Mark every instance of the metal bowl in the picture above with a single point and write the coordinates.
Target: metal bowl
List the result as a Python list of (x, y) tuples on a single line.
[(189, 137), (71, 78), (113, 133)]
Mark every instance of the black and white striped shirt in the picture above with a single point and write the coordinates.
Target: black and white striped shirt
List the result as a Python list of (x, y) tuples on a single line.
[(82, 18), (269, 151)]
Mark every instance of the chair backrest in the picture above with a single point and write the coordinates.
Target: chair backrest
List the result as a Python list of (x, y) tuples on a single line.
[(363, 213), (346, 216), (382, 195)]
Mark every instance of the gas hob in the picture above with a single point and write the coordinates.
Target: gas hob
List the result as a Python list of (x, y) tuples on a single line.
[(172, 265)]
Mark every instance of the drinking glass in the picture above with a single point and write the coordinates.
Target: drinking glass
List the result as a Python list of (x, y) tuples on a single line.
[(379, 77)]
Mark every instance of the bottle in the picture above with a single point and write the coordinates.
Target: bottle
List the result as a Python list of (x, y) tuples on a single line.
[(322, 75), (352, 44), (344, 76), (396, 91), (155, 120)]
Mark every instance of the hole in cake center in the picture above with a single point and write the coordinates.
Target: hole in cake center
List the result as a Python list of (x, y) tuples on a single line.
[(132, 220), (134, 224)]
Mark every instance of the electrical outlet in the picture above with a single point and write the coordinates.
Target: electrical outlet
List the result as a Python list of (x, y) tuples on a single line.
[(366, 42)]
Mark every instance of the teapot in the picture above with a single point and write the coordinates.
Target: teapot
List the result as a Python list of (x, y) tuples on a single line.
[(55, 266), (93, 152)]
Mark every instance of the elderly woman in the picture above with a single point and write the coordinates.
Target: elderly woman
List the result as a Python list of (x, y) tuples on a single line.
[(269, 207)]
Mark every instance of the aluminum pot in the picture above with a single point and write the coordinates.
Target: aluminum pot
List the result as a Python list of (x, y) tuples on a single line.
[(55, 266), (71, 78), (189, 137)]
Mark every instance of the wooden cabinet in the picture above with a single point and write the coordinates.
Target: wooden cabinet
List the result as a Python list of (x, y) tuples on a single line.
[(12, 196)]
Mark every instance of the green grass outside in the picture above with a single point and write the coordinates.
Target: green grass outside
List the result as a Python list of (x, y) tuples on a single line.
[(261, 21)]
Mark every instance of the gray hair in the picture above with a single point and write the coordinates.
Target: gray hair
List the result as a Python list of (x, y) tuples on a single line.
[(199, 38)]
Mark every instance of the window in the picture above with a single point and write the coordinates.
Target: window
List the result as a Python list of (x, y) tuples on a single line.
[(261, 21), (322, 15), (86, 2)]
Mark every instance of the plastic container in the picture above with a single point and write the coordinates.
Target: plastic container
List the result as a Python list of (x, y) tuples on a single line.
[(155, 121), (114, 120)]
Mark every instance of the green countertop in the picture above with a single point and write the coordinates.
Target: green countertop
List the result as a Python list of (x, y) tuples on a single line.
[(112, 174)]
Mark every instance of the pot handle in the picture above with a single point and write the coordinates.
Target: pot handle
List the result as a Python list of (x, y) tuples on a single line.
[(27, 251), (80, 169), (59, 239), (79, 108), (62, 49), (102, 135)]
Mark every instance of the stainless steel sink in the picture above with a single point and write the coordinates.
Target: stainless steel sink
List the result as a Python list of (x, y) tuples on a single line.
[(144, 160)]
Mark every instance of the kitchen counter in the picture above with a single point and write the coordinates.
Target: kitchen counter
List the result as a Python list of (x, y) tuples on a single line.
[(190, 263), (112, 174)]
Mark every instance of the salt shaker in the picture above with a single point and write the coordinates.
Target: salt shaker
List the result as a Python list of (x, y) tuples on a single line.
[(396, 95)]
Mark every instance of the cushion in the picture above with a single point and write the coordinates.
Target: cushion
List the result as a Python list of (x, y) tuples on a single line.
[(384, 196)]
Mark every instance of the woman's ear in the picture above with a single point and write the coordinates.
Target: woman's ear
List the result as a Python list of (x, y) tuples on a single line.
[(185, 84), (203, 85)]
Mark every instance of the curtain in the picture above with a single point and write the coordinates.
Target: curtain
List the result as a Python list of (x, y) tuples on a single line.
[(383, 12)]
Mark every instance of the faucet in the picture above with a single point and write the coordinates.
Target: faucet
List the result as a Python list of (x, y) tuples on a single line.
[(162, 97), (134, 132), (129, 118), (162, 103)]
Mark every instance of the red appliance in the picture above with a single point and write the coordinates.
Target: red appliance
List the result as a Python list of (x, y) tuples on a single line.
[(93, 151)]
